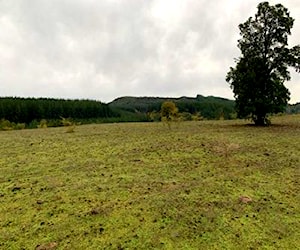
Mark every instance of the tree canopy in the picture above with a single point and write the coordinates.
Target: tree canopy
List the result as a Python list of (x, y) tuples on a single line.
[(25, 110), (258, 78), (168, 110)]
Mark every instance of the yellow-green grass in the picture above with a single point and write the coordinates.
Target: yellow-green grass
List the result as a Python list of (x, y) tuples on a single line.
[(143, 186)]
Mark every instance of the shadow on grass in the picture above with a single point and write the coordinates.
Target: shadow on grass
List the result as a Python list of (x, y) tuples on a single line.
[(272, 125)]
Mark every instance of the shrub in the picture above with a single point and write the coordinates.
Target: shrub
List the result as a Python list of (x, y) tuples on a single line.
[(20, 126), (43, 124), (69, 124), (5, 124)]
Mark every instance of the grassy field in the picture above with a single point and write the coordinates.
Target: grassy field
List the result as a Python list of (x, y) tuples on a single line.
[(200, 185)]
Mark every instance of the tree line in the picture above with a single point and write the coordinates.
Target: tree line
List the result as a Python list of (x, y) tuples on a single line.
[(26, 110), (19, 113)]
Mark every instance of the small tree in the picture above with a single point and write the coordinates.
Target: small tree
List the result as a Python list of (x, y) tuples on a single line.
[(69, 124), (43, 124), (168, 112), (257, 80)]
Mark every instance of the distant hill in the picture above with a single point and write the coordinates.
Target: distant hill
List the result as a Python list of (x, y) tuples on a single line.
[(209, 107)]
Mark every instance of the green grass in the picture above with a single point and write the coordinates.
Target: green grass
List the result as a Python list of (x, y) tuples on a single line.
[(143, 186)]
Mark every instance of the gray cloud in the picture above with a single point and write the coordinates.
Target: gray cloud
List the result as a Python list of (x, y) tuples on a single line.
[(110, 48)]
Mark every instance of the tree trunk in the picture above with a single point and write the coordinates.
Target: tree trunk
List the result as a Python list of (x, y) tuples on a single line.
[(260, 120)]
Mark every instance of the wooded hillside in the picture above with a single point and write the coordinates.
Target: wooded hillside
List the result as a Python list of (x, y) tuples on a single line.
[(30, 111), (209, 107)]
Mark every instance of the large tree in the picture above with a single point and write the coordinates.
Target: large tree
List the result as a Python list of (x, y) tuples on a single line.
[(258, 78)]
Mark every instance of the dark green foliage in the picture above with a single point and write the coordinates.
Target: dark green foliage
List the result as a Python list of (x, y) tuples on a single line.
[(209, 107), (137, 104), (31, 110), (258, 78)]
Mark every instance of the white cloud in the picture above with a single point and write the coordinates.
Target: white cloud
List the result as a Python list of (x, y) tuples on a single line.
[(110, 48)]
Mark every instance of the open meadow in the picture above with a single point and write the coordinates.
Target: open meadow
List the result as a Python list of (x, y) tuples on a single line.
[(199, 185)]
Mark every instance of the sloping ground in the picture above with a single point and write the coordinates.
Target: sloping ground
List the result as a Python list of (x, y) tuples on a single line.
[(200, 185)]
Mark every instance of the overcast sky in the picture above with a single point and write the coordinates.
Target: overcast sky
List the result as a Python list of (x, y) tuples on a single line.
[(104, 49)]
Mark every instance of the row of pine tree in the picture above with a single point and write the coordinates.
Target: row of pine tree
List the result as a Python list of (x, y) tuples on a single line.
[(26, 110)]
